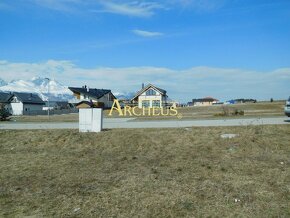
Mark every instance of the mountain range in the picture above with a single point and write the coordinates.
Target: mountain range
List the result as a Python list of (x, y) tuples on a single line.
[(40, 86), (56, 92)]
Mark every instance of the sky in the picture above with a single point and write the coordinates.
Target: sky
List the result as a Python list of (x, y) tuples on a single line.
[(191, 48)]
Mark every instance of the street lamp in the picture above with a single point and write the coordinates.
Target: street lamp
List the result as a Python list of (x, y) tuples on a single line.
[(48, 108)]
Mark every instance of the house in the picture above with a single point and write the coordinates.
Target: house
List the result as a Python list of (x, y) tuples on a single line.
[(24, 103), (57, 105), (89, 104), (101, 96), (150, 96), (207, 101)]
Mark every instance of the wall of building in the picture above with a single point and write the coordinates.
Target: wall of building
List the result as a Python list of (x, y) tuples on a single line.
[(158, 97), (207, 103), (32, 107), (16, 108), (106, 100)]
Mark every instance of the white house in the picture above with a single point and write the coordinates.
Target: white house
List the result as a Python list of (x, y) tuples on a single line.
[(24, 103), (102, 97), (150, 96), (207, 101)]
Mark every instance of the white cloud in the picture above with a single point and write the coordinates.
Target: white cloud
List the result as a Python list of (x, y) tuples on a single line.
[(131, 8), (144, 33), (181, 85), (58, 5), (198, 5)]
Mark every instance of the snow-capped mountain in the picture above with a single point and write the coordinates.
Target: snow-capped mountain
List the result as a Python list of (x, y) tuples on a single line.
[(124, 95), (2, 82), (57, 91)]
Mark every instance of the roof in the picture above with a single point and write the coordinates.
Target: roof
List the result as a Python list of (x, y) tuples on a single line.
[(57, 103), (206, 99), (161, 91), (4, 97), (28, 98), (92, 93), (89, 103)]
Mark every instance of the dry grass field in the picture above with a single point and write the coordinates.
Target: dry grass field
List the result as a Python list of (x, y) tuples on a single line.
[(261, 109), (186, 172)]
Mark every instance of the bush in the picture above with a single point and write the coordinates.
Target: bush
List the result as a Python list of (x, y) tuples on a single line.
[(4, 114), (238, 112), (226, 111)]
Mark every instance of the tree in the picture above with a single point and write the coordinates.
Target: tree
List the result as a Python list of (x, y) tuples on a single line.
[(4, 113)]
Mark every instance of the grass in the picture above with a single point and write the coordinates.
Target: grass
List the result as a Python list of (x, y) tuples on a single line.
[(186, 172), (261, 109)]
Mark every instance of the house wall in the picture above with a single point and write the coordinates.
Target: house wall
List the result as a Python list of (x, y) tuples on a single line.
[(16, 108), (207, 103), (84, 97), (143, 97), (106, 100), (32, 107)]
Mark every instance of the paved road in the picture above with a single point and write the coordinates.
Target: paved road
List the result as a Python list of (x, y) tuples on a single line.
[(130, 123)]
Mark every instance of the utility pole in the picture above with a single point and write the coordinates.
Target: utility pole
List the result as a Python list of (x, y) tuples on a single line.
[(48, 107)]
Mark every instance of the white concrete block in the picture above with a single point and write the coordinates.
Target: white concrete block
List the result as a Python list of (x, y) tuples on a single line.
[(90, 119)]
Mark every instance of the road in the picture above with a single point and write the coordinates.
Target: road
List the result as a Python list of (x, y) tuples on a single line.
[(111, 123)]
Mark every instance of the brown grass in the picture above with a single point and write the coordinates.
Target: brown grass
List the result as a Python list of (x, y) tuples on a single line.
[(262, 109), (186, 172)]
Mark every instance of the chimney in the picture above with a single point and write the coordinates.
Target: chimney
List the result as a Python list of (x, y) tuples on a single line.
[(142, 85)]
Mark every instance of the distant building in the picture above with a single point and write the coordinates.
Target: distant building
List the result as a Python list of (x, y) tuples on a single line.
[(57, 105), (24, 103), (241, 101), (102, 96), (150, 96), (89, 104), (207, 101)]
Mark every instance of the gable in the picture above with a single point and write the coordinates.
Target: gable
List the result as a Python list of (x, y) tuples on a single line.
[(149, 86), (14, 100), (151, 92)]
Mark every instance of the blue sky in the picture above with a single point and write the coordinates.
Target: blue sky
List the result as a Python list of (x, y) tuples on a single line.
[(192, 48)]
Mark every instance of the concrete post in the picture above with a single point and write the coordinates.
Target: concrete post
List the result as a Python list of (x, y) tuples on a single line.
[(90, 119)]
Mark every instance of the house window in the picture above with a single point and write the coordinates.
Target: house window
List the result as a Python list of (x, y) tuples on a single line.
[(150, 92), (146, 103), (155, 103)]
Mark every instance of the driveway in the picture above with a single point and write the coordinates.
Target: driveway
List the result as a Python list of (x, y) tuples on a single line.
[(111, 123)]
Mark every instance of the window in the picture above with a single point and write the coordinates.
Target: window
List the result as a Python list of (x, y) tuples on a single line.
[(146, 103), (155, 103), (150, 92)]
